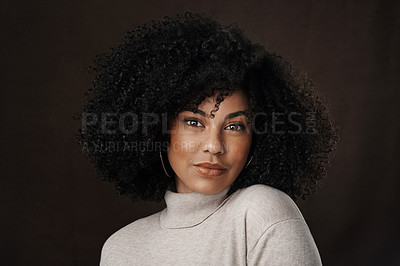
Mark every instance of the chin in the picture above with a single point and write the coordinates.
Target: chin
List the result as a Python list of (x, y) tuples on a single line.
[(208, 187)]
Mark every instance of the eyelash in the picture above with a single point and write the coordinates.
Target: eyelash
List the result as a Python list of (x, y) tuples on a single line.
[(188, 121)]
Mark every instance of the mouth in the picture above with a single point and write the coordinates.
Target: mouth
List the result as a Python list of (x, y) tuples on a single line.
[(209, 169)]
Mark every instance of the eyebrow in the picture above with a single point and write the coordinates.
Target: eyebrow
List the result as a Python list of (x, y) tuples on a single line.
[(228, 116)]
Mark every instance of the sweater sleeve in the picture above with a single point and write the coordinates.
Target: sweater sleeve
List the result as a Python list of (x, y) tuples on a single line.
[(288, 242)]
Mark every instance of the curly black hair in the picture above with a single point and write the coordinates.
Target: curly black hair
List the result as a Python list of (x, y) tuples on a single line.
[(163, 67)]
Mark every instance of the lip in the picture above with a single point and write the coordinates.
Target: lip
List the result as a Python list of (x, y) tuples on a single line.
[(210, 165), (209, 169)]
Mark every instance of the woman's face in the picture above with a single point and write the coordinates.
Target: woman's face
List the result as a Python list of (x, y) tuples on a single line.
[(207, 154)]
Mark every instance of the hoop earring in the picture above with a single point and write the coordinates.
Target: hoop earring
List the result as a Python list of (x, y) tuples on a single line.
[(162, 162), (249, 162)]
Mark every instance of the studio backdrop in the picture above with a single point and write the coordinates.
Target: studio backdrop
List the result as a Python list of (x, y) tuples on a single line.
[(56, 211)]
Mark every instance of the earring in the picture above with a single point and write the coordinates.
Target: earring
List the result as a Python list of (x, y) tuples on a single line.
[(249, 162), (162, 162)]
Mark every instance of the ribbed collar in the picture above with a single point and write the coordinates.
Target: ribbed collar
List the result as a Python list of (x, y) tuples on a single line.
[(190, 209)]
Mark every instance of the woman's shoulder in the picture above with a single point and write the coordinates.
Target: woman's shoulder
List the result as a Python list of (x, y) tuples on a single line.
[(267, 204), (274, 225), (127, 236)]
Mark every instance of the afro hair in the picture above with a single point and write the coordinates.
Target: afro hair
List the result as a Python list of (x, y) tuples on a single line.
[(164, 66)]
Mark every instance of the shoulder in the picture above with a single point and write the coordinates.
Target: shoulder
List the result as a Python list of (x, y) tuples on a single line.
[(274, 224), (125, 239), (266, 205)]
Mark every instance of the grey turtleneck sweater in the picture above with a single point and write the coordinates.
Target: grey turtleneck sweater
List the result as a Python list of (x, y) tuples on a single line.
[(258, 225)]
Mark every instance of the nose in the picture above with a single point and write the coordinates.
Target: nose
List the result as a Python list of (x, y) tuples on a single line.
[(213, 143)]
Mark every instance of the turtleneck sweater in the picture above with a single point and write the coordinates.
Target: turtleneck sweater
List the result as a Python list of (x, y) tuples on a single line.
[(257, 225)]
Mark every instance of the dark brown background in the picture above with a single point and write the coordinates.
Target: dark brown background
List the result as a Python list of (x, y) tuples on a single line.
[(55, 212)]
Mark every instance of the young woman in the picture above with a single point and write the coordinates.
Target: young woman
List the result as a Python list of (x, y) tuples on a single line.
[(191, 111)]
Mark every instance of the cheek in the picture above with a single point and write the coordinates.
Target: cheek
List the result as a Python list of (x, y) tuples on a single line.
[(181, 145), (239, 150)]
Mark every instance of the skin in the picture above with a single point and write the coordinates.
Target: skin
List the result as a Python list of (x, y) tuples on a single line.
[(198, 138)]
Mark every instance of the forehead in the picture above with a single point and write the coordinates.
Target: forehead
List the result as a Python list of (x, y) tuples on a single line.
[(234, 102)]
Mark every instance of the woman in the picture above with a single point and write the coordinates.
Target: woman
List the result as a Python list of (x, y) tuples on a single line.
[(226, 132)]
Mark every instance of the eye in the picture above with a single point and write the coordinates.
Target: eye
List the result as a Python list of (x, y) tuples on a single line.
[(193, 122), (235, 127)]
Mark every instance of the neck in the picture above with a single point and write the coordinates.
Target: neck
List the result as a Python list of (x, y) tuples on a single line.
[(190, 209)]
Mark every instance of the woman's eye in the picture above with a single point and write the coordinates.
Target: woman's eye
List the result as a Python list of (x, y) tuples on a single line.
[(235, 127), (193, 123)]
